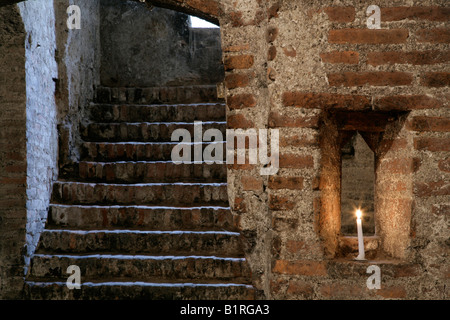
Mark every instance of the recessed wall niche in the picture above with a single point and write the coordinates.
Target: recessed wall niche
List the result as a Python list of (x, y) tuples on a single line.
[(357, 186), (387, 180)]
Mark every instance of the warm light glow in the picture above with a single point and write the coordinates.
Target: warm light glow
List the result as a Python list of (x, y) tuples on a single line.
[(358, 213)]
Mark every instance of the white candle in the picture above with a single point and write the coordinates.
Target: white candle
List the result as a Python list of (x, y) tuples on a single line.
[(361, 254)]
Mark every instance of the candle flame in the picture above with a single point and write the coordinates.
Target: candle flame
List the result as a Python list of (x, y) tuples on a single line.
[(358, 213)]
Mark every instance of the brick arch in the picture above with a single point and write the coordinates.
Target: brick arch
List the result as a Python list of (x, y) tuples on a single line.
[(205, 9)]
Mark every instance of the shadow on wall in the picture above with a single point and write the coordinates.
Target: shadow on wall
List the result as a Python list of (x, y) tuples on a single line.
[(145, 48)]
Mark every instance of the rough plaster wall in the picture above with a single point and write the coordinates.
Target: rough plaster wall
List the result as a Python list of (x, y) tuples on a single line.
[(249, 38), (38, 17), (143, 48), (78, 58), (13, 162), (286, 255)]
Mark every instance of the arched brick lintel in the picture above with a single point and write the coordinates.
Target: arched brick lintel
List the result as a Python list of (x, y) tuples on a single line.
[(205, 9)]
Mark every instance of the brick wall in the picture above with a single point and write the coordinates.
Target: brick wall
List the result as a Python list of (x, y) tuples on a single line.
[(78, 59), (288, 65), (48, 76), (314, 71), (13, 155)]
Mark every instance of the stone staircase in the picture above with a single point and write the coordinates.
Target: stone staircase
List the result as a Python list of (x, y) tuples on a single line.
[(137, 225)]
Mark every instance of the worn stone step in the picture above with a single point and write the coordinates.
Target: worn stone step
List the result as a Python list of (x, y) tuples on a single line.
[(136, 151), (158, 113), (173, 194), (146, 171), (142, 217), (138, 291), (131, 242), (141, 268), (157, 95), (143, 131)]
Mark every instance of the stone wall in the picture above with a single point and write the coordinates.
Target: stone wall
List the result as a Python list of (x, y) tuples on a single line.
[(48, 78), (41, 134), (78, 58), (313, 70), (13, 155), (150, 48)]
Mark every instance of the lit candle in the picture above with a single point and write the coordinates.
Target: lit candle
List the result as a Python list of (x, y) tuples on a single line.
[(361, 254)]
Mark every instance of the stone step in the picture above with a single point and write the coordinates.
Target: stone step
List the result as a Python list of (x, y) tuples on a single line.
[(157, 95), (158, 113), (143, 131), (145, 171), (132, 242), (141, 268), (142, 217), (135, 151), (139, 291), (173, 194)]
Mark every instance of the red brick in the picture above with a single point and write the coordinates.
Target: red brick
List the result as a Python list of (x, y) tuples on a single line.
[(277, 120), (293, 161), (432, 188), (251, 183), (291, 183), (239, 205), (396, 166), (347, 57), (239, 62), (300, 267), (392, 292), (272, 34), (283, 224), (207, 6), (444, 165), (441, 209), (236, 121), (236, 20), (368, 36), (271, 74), (415, 13), (436, 79), (340, 290), (277, 203), (243, 166), (432, 144), (236, 80), (272, 53), (434, 124), (240, 101), (290, 52), (300, 288), (406, 102), (294, 246), (272, 12), (340, 14), (326, 100), (406, 270), (380, 78), (10, 180), (412, 57), (237, 48), (15, 168), (392, 145), (434, 35)]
